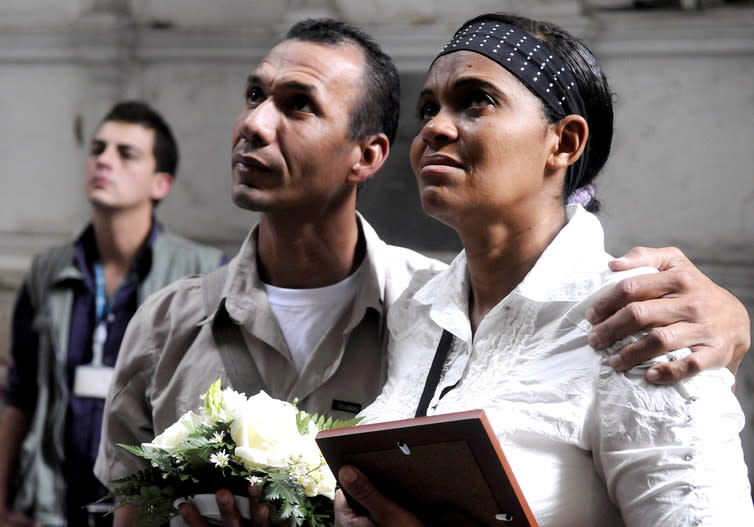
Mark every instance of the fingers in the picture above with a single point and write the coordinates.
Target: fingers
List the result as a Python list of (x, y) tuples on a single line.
[(656, 342), (260, 513), (191, 516), (661, 259), (670, 372), (670, 317), (229, 513), (636, 289), (382, 511), (345, 516)]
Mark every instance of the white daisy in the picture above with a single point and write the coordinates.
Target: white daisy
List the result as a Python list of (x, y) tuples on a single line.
[(220, 459)]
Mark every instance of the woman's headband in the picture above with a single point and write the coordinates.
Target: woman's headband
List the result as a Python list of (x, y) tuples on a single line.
[(526, 57), (534, 64)]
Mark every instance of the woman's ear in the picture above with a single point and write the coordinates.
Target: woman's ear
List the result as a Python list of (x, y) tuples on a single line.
[(374, 150), (572, 132)]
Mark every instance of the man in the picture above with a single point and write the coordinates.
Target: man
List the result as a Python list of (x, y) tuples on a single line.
[(71, 315), (320, 115)]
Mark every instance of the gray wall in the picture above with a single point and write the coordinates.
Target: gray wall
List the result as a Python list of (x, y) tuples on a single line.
[(681, 171)]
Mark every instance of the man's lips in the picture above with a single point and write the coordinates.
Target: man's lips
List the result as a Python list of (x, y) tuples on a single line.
[(250, 163), (99, 181)]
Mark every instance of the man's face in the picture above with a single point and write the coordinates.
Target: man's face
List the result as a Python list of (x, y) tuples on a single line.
[(291, 145), (121, 168)]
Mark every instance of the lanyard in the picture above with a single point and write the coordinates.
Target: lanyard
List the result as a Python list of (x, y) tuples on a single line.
[(101, 304), (101, 310), (435, 372)]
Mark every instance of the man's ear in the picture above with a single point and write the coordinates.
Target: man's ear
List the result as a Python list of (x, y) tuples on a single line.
[(161, 185), (374, 150), (572, 132)]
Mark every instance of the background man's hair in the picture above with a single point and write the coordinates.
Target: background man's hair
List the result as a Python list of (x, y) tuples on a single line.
[(165, 148)]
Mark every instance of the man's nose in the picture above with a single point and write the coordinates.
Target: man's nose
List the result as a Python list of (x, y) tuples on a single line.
[(259, 124), (108, 156)]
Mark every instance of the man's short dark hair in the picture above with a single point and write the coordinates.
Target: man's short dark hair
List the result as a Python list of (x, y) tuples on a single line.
[(165, 148), (379, 108)]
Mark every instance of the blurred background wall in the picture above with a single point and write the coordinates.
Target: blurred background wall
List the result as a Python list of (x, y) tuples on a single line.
[(682, 70)]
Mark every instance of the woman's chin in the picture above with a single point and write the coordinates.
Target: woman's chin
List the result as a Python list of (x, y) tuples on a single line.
[(436, 204)]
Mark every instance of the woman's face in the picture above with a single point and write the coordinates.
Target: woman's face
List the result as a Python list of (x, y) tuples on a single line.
[(483, 144)]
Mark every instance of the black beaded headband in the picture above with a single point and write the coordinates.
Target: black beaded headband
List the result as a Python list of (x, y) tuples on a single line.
[(532, 62), (526, 57)]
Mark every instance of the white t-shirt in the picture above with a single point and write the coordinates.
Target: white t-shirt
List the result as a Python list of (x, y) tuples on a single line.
[(306, 315)]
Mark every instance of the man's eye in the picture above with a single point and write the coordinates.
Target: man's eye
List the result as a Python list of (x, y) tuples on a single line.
[(301, 103), (96, 148), (254, 96), (427, 111), (126, 153)]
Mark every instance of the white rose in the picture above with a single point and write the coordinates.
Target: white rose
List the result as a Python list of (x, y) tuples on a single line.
[(177, 432), (265, 432), (221, 405)]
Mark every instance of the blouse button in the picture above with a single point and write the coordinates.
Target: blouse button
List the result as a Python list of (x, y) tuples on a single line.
[(688, 457)]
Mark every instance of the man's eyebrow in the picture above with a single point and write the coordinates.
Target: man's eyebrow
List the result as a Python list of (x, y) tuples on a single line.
[(425, 92), (292, 85)]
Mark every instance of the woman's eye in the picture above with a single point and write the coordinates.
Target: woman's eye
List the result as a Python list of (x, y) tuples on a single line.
[(479, 99), (254, 96), (427, 111)]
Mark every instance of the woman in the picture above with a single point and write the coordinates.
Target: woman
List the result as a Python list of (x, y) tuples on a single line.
[(516, 116)]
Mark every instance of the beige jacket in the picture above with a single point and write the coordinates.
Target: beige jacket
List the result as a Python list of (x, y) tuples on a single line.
[(170, 356)]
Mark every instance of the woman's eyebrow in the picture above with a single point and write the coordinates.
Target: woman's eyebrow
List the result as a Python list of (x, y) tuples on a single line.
[(475, 82)]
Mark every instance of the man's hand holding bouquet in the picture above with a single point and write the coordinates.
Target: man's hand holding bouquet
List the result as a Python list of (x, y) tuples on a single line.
[(232, 442)]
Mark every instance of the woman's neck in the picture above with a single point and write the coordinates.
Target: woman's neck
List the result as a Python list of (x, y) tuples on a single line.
[(500, 256)]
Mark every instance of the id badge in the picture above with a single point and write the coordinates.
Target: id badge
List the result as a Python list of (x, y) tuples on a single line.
[(92, 381)]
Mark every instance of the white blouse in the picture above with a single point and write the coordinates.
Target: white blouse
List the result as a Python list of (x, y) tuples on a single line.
[(588, 446)]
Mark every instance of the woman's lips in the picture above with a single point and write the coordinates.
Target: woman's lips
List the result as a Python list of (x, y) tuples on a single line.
[(439, 164)]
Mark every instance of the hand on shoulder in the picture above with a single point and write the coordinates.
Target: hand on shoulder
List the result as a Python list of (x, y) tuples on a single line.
[(678, 307)]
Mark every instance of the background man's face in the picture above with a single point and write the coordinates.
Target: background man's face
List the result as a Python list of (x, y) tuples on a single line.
[(291, 144), (121, 168)]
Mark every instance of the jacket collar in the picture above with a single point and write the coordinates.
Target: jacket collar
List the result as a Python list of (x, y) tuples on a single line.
[(567, 270), (243, 293)]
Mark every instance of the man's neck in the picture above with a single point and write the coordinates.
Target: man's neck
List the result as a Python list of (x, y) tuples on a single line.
[(119, 236), (301, 253)]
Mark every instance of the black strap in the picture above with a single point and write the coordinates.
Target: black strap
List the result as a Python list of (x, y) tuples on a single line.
[(236, 357), (237, 360), (435, 371)]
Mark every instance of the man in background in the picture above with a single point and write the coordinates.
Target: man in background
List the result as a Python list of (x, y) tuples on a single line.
[(71, 314)]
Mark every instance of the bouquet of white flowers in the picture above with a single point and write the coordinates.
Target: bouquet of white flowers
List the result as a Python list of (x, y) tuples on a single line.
[(234, 441)]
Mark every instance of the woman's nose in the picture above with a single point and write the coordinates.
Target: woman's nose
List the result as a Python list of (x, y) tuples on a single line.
[(440, 129)]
